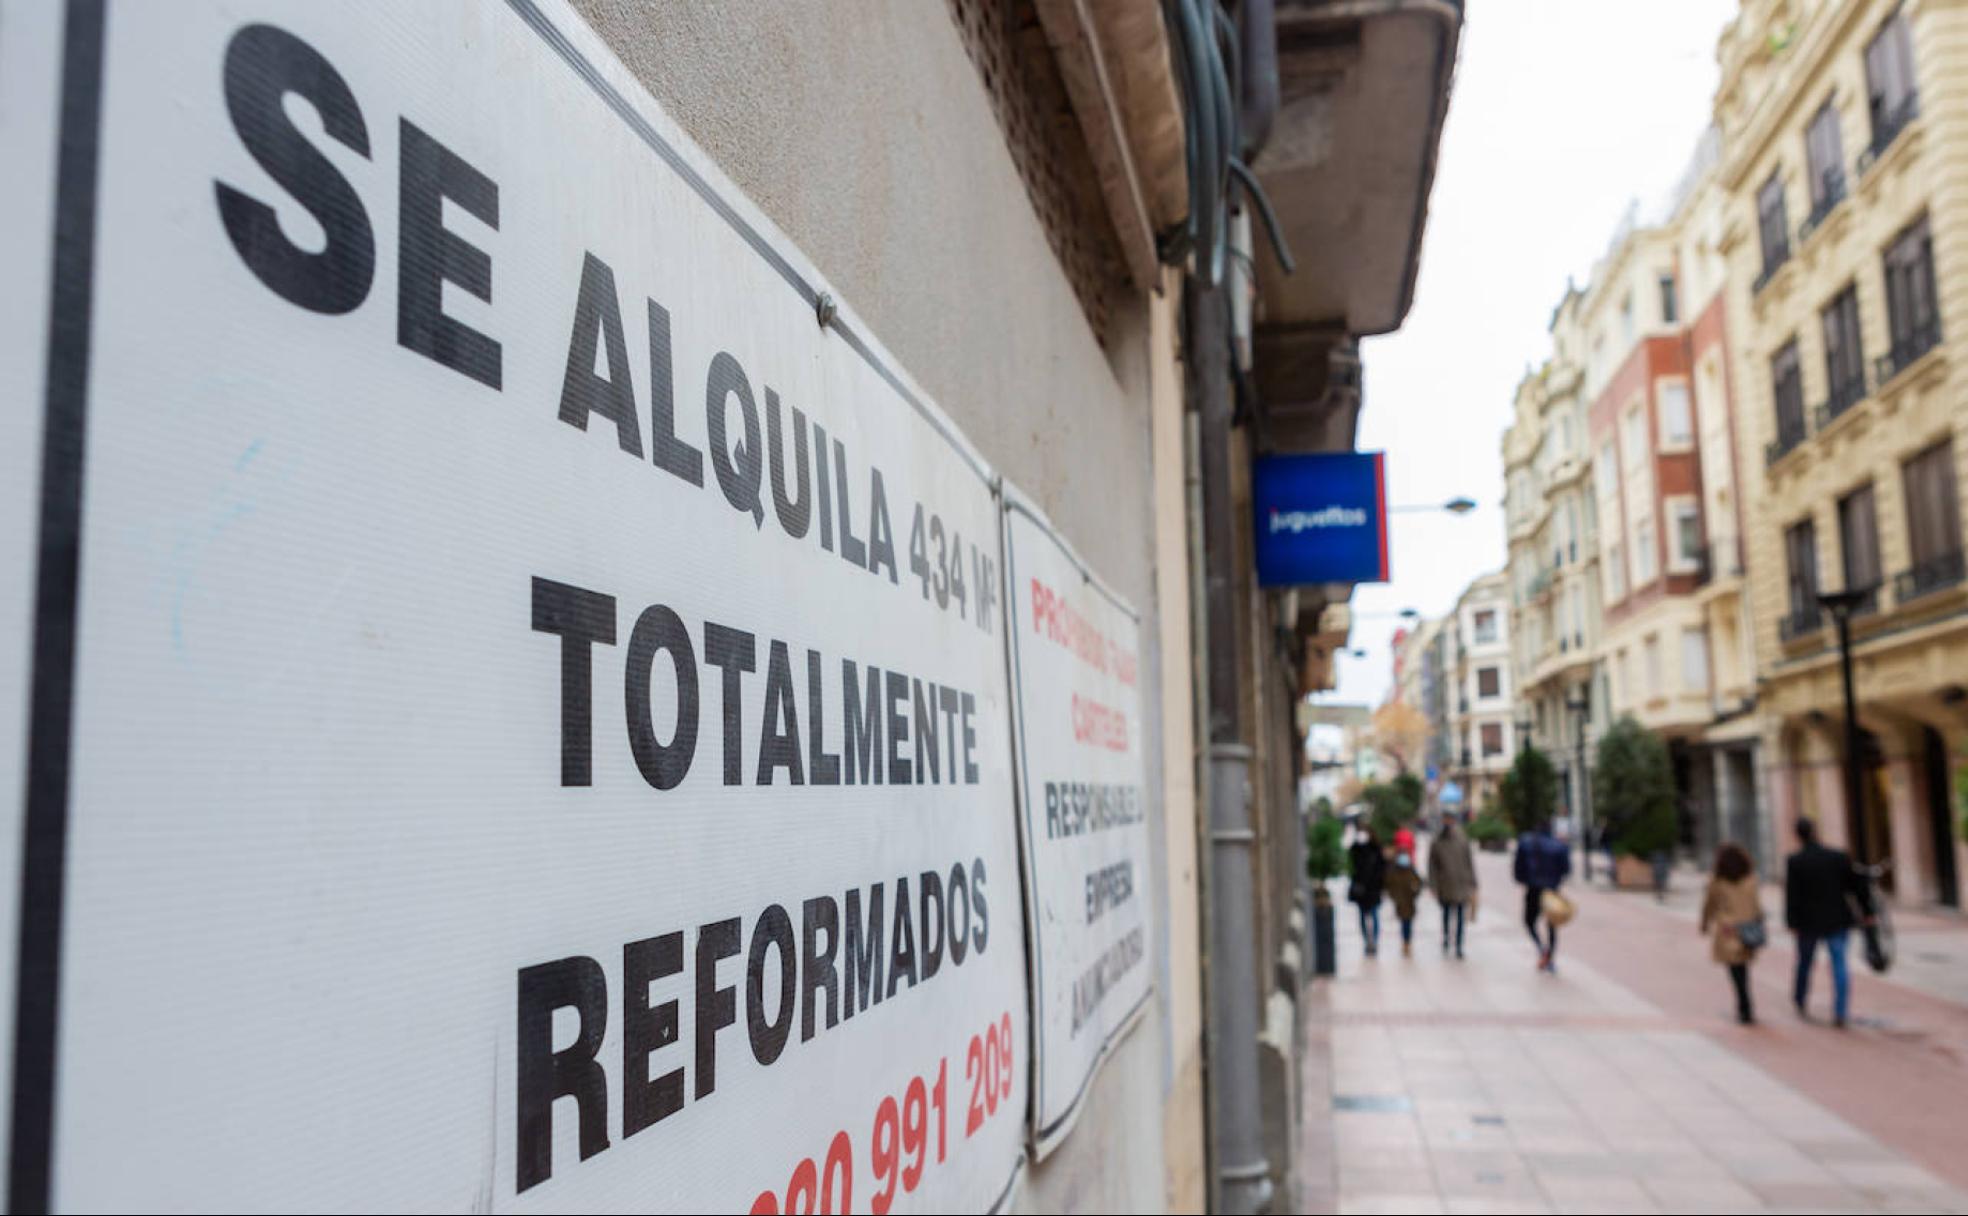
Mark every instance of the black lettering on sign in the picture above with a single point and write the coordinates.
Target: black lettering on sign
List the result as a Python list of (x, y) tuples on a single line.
[(774, 932), (716, 1007), (581, 618), (428, 255), (671, 454), (598, 319), (733, 651), (659, 630), (573, 1072), (739, 470), (262, 65), (647, 1030), (794, 510)]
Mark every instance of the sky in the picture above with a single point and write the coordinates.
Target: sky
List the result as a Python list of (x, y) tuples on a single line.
[(1563, 112)]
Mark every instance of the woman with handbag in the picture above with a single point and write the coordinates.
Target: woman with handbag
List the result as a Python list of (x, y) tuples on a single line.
[(1732, 916)]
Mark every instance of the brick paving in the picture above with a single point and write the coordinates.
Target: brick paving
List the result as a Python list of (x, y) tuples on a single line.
[(1622, 1084)]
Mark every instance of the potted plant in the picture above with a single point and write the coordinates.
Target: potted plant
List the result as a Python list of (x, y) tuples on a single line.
[(1325, 860), (1634, 784), (1490, 830)]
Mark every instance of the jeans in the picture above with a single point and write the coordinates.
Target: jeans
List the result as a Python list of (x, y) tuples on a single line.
[(1841, 977), (1408, 931), (1533, 910), (1370, 926), (1452, 912)]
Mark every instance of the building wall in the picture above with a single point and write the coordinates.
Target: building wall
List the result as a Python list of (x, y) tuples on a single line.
[(867, 135), (1911, 656)]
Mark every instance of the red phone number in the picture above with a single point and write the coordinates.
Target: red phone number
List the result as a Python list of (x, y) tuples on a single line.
[(900, 1139)]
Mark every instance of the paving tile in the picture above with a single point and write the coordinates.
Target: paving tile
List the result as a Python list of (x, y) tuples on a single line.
[(1376, 1204)]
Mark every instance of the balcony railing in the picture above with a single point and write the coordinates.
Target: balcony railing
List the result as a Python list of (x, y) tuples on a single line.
[(1906, 348), (1773, 259), (1704, 567), (1800, 622), (1827, 202), (1843, 397), (1790, 433), (1888, 130), (1928, 576)]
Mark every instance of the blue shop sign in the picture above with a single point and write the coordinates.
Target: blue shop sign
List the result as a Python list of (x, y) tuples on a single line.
[(1321, 518)]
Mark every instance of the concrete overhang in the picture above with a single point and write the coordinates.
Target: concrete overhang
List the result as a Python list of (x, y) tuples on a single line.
[(1364, 86)]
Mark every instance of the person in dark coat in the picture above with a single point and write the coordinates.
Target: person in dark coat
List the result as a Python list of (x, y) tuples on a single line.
[(1824, 896), (1369, 865), (1452, 874), (1543, 863)]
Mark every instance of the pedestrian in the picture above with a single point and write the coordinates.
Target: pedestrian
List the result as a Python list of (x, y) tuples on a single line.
[(1452, 876), (1824, 896), (1542, 865), (1404, 888), (1732, 916), (1369, 866)]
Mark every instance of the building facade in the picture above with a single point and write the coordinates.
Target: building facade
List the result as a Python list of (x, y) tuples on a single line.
[(1479, 688), (1551, 517), (1845, 163)]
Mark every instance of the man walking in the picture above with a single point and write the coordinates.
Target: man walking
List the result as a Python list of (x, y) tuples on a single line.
[(1824, 896), (1452, 876), (1543, 863)]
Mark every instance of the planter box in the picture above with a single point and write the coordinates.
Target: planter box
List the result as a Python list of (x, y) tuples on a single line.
[(1633, 873)]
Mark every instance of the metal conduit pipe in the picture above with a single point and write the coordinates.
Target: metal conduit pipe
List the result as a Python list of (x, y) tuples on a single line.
[(1242, 1174)]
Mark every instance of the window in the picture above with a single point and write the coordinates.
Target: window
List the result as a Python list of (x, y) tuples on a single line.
[(1844, 353), (1933, 522), (1773, 226), (1627, 689), (1608, 473), (1694, 660), (1486, 625), (1676, 422), (1578, 614), (1626, 319), (1492, 738), (1489, 682), (1891, 97), (1910, 303), (1858, 540), (1564, 434), (1653, 665), (1645, 551), (1825, 153), (1685, 518), (1615, 572), (1801, 551), (1636, 434), (1788, 384), (1669, 314)]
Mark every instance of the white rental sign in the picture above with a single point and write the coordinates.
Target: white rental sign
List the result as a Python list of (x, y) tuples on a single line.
[(529, 726), (1081, 772)]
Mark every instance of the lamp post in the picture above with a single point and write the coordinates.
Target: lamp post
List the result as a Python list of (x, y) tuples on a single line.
[(1523, 726), (1459, 505), (1582, 709), (1841, 605)]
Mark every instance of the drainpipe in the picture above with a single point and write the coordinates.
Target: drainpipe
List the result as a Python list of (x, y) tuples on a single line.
[(1243, 1176), (1259, 36)]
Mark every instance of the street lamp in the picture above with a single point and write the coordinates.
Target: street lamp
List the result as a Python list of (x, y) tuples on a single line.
[(1459, 505), (1582, 709), (1523, 734), (1841, 605)]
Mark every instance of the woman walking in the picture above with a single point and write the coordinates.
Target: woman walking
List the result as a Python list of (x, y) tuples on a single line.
[(1732, 916), (1369, 864), (1452, 876), (1404, 888)]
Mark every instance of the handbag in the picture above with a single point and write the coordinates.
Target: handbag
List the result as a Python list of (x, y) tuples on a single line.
[(1557, 909), (1753, 934)]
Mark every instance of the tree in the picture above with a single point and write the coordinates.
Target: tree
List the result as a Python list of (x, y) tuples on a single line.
[(1633, 789), (1325, 857), (1401, 733), (1528, 794), (1392, 805)]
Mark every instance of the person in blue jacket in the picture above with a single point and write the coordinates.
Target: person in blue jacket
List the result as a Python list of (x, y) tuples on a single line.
[(1543, 863)]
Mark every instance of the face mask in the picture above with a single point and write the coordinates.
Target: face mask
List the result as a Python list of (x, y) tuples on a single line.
[(1403, 861)]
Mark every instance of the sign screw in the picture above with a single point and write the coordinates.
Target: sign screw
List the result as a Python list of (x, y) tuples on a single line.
[(825, 309)]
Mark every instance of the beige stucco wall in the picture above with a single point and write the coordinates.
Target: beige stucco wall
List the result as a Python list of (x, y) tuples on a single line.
[(1907, 654), (863, 130)]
